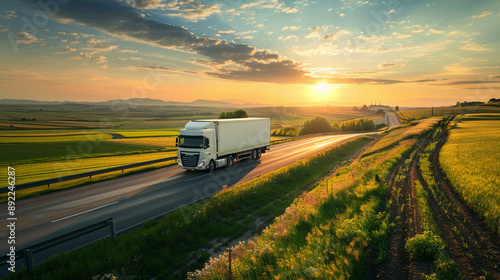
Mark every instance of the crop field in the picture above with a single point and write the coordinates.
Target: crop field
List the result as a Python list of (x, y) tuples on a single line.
[(53, 138), (138, 133), (445, 111), (470, 160), (403, 133), (46, 170)]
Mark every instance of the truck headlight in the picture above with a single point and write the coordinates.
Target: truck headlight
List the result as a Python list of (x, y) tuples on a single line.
[(201, 163)]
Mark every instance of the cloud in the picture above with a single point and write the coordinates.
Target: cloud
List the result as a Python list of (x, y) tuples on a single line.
[(337, 35), (192, 10), (147, 4), (163, 69), (82, 55), (472, 46), (289, 37), (323, 49), (282, 71), (385, 66), (482, 15), (270, 4), (361, 81), (291, 27), (127, 51), (97, 45), (9, 15), (315, 31), (101, 59), (473, 82), (25, 38), (226, 32), (68, 49), (434, 31), (401, 36)]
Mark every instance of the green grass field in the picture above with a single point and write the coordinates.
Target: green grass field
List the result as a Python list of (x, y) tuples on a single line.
[(470, 160), (31, 172), (446, 111)]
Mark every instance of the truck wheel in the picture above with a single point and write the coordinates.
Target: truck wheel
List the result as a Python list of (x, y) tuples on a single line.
[(230, 161), (254, 154), (211, 166), (259, 153)]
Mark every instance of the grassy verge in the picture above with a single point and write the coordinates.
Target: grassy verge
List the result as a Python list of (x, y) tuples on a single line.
[(179, 242), (327, 233)]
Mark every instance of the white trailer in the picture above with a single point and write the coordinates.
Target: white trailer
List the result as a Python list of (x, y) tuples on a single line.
[(213, 143)]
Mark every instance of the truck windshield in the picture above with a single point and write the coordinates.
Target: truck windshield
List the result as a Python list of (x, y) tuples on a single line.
[(191, 141)]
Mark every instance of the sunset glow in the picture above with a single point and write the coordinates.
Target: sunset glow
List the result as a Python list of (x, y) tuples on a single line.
[(407, 53)]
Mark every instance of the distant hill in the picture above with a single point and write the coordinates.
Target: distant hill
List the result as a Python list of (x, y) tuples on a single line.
[(138, 102)]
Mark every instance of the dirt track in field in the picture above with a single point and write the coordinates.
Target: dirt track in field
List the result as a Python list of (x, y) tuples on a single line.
[(469, 242)]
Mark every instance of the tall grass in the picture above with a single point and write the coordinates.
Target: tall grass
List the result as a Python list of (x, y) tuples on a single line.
[(324, 234)]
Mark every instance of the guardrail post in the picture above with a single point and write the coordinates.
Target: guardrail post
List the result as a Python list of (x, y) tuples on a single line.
[(29, 260), (111, 225)]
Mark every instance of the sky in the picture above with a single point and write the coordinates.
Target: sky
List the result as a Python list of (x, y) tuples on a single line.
[(339, 52)]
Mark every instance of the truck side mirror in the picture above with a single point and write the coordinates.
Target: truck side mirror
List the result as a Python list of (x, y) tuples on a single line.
[(176, 141)]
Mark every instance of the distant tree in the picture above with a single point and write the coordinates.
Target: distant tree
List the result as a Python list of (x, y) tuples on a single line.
[(23, 119), (364, 108), (396, 109), (236, 114), (380, 112), (458, 104), (316, 125), (33, 119), (355, 108)]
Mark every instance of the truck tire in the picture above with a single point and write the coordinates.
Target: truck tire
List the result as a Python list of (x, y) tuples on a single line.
[(259, 153), (230, 161), (254, 154), (211, 166)]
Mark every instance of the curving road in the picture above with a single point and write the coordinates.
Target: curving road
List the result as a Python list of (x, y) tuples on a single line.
[(134, 199)]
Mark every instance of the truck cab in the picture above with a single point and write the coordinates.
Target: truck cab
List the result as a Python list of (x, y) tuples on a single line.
[(196, 145)]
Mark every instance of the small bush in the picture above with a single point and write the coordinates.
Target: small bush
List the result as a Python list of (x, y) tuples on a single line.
[(424, 246), (444, 269)]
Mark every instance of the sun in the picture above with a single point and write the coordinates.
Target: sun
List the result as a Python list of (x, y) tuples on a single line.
[(322, 87)]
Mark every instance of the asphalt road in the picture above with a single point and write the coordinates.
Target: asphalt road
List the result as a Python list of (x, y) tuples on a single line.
[(393, 119), (134, 199)]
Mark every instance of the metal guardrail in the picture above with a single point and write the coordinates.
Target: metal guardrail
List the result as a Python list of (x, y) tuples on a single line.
[(83, 175), (27, 253)]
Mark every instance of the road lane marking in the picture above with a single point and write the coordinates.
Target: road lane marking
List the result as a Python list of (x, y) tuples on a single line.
[(197, 177), (90, 210)]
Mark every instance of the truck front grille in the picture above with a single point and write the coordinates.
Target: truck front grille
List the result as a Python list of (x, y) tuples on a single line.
[(190, 159)]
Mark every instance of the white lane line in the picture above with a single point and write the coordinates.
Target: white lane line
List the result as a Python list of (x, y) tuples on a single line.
[(195, 178), (90, 210)]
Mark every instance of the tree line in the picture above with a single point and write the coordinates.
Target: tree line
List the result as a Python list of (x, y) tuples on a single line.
[(321, 124)]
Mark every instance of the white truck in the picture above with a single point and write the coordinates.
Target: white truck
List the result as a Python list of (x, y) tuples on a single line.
[(213, 143)]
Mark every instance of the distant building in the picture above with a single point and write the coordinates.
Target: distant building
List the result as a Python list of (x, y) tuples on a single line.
[(375, 107)]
